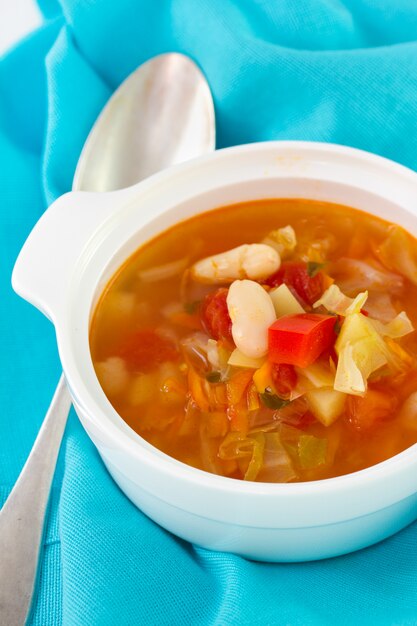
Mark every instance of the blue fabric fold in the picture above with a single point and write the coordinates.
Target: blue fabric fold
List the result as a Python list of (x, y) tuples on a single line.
[(327, 70)]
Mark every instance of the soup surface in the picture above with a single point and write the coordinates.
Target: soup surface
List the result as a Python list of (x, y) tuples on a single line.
[(270, 341)]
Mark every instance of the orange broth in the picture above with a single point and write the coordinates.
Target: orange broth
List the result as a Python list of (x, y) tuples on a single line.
[(189, 416)]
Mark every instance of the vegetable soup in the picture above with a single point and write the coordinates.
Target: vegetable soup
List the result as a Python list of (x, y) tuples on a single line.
[(270, 341)]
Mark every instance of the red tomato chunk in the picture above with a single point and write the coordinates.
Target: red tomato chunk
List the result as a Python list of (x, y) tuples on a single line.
[(145, 349), (307, 288), (300, 339), (284, 378), (215, 315)]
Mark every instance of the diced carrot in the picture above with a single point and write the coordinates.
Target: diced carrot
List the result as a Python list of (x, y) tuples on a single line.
[(263, 377), (239, 419), (207, 396), (217, 396), (237, 385), (197, 391), (252, 397)]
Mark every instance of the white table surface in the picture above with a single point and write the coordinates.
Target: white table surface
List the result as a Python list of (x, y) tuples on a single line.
[(17, 19)]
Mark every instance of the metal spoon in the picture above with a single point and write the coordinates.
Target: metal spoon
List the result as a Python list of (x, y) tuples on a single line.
[(161, 114)]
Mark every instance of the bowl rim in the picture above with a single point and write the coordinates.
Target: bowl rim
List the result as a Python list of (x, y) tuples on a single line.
[(127, 440)]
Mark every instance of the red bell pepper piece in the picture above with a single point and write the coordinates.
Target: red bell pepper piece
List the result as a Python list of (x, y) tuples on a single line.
[(300, 339)]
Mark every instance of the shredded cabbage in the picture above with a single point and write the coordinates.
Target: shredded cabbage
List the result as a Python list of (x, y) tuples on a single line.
[(398, 253), (362, 350), (209, 450), (277, 465), (282, 239), (213, 353), (349, 378), (396, 328), (336, 302), (353, 276), (194, 348), (380, 306), (312, 451), (240, 447), (262, 454)]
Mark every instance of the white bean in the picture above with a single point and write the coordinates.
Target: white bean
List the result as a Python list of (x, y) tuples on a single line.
[(255, 261), (252, 312)]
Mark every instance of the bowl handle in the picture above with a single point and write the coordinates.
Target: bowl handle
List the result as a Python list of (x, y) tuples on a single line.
[(43, 268)]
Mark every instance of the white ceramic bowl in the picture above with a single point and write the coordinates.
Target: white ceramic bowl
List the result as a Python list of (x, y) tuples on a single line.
[(84, 237)]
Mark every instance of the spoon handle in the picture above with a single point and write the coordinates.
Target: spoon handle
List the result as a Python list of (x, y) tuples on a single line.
[(23, 516)]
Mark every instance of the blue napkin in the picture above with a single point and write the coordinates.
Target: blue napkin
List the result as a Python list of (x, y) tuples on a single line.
[(327, 70)]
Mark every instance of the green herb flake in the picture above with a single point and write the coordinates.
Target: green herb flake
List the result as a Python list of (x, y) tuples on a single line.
[(312, 451), (191, 307), (213, 377), (272, 401), (313, 268)]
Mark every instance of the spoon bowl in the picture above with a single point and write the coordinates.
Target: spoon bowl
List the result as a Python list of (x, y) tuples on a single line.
[(162, 114)]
